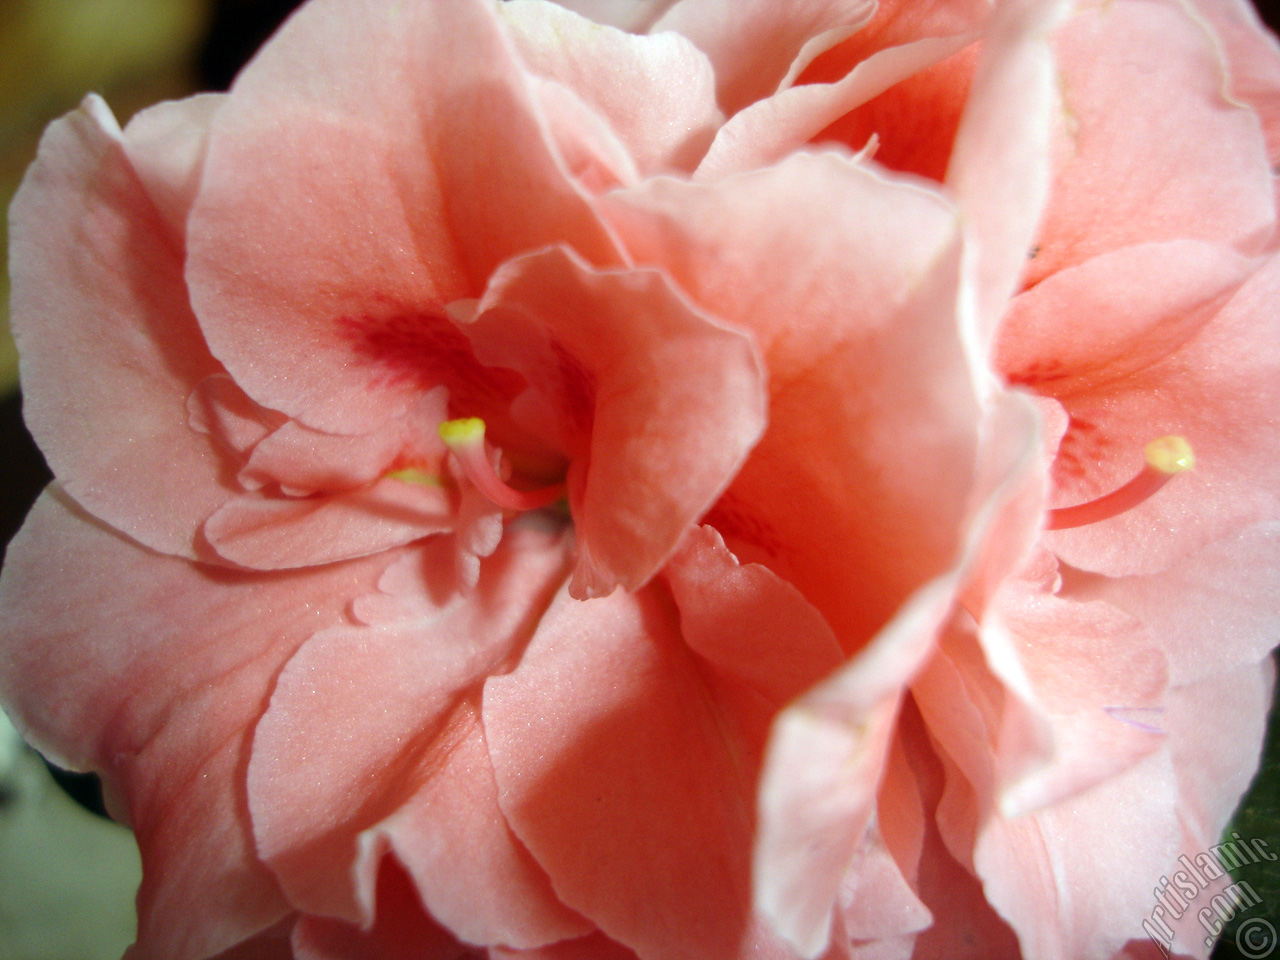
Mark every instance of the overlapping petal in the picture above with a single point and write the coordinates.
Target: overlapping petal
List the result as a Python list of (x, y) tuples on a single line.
[(161, 695), (655, 403), (1187, 355), (873, 423), (334, 786), (321, 275), (97, 259), (657, 93), (1129, 166), (626, 742)]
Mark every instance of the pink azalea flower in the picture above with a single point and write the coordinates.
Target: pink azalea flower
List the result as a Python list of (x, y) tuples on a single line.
[(474, 430), (346, 712), (1081, 724)]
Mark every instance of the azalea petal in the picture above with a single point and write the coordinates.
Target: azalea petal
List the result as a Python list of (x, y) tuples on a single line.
[(323, 250), (109, 347), (402, 930), (879, 897), (626, 761), (657, 92), (911, 127), (1102, 714), (300, 458), (1131, 167), (821, 776), (1253, 61), (1076, 879), (671, 402), (965, 927), (279, 533), (594, 947), (848, 282), (592, 152), (734, 614), (1157, 348), (1000, 163), (1102, 891), (878, 905), (159, 692), (894, 23), (828, 750), (1215, 771), (769, 129), (503, 896), (1066, 892), (220, 409), (1217, 609), (334, 785), (754, 45), (166, 146)]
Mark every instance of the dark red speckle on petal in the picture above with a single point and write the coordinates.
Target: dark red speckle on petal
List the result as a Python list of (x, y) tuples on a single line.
[(578, 388), (424, 348), (1083, 446), (1039, 375)]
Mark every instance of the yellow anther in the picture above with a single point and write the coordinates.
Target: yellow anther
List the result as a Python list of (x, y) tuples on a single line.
[(1166, 458), (467, 430), (1169, 455), (414, 475)]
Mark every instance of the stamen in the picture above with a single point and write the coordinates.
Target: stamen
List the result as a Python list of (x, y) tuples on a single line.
[(413, 475), (1166, 458), (465, 437)]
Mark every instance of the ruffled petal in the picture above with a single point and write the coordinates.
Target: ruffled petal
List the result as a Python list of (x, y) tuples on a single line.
[(327, 239), (334, 785), (1080, 878), (1253, 61), (166, 146), (770, 129), (657, 92), (830, 749), (758, 45), (159, 692), (1133, 165), (1100, 713), (1065, 890), (280, 533), (669, 399), (1000, 163), (626, 760), (818, 793), (308, 461), (848, 281), (109, 347)]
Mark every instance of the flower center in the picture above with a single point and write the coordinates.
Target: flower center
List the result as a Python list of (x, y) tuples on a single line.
[(1166, 458), (465, 438)]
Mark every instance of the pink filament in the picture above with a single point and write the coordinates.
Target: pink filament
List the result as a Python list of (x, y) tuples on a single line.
[(1112, 504), (479, 470)]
